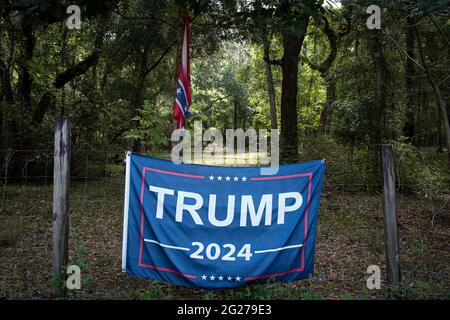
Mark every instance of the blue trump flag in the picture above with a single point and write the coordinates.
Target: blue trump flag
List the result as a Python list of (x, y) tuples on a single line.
[(219, 227)]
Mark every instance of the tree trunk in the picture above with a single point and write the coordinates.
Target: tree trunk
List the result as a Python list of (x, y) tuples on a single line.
[(438, 131), (376, 51), (331, 97), (47, 100), (26, 80), (437, 92), (324, 69), (9, 126), (289, 65), (409, 128), (270, 85), (235, 114), (5, 83), (138, 100)]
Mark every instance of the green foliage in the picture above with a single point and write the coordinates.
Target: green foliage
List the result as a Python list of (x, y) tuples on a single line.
[(350, 120), (410, 291), (210, 295), (223, 96), (346, 166), (156, 291), (273, 291), (151, 129), (363, 295), (418, 249), (137, 63), (115, 170), (11, 232), (418, 174), (80, 258), (46, 212), (305, 293), (127, 95)]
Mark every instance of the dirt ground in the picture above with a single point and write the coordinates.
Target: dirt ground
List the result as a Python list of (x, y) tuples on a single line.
[(349, 239)]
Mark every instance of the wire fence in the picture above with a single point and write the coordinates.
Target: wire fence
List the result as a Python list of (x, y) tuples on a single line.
[(95, 174), (350, 229), (98, 177)]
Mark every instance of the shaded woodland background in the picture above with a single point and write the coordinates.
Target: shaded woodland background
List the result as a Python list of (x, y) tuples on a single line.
[(313, 69), (307, 68)]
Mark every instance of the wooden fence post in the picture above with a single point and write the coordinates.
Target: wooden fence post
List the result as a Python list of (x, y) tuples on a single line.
[(61, 183), (390, 216)]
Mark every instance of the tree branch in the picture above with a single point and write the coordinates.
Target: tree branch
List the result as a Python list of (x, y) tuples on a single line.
[(79, 69), (406, 53), (157, 62), (273, 62), (440, 30), (326, 64), (5, 83), (311, 64), (48, 100), (347, 31)]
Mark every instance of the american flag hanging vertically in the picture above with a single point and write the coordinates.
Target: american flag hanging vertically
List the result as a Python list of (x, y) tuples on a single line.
[(183, 97)]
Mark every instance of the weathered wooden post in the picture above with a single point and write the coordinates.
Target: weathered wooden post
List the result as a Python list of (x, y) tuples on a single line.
[(61, 183), (390, 215)]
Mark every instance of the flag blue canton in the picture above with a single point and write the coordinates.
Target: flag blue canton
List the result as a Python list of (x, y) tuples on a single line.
[(182, 100)]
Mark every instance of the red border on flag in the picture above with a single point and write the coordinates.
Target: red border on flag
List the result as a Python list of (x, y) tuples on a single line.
[(141, 235), (302, 262)]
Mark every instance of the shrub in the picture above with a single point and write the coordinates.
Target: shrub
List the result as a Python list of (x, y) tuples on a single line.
[(418, 174), (10, 232)]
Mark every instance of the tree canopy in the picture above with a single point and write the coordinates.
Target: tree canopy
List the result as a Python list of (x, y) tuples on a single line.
[(307, 67)]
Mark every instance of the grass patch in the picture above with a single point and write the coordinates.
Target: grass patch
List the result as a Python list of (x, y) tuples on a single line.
[(10, 232), (156, 291)]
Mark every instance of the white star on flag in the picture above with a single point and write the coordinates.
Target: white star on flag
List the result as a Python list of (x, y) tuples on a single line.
[(204, 277), (228, 178), (211, 178), (229, 278), (212, 277), (220, 278), (238, 278), (236, 178), (244, 179), (219, 178)]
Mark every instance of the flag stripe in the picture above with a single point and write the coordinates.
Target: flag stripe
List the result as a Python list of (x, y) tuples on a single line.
[(183, 96)]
